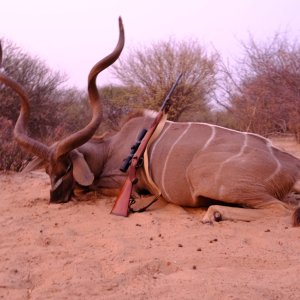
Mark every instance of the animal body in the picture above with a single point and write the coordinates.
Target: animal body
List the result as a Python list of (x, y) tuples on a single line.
[(193, 164)]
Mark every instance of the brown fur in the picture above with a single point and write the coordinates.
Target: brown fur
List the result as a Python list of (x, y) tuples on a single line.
[(100, 138), (134, 114)]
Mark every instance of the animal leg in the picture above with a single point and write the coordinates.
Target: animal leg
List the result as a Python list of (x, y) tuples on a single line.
[(216, 213)]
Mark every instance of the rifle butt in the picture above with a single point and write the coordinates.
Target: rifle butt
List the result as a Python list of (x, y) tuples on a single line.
[(121, 205)]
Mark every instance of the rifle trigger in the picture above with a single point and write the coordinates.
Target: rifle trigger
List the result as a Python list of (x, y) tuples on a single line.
[(140, 162)]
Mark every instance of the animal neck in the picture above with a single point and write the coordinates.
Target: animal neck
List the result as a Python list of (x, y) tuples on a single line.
[(118, 149), (110, 176)]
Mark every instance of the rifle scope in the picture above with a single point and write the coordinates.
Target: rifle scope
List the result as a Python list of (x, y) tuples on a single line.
[(127, 161)]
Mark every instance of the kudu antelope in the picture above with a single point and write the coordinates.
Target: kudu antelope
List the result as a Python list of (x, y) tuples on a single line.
[(193, 164)]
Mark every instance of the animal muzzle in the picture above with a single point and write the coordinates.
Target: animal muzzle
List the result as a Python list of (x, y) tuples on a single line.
[(62, 190)]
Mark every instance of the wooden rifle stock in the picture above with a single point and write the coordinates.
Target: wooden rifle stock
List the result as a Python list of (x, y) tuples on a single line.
[(121, 205)]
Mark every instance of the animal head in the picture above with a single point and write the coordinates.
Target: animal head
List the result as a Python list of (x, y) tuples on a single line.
[(64, 164)]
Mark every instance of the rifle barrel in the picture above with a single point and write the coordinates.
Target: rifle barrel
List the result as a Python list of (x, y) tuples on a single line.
[(168, 97)]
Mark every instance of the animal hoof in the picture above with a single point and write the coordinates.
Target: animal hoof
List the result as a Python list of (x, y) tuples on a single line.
[(217, 216)]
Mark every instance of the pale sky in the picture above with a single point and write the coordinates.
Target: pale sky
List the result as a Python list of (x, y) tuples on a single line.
[(71, 36)]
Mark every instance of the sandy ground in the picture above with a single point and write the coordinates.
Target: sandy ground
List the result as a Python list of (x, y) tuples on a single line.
[(79, 250)]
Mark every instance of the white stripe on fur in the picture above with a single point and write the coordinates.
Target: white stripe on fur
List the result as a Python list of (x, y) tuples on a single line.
[(167, 158)]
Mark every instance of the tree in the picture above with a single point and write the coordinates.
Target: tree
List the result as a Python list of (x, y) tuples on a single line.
[(264, 91), (41, 84), (149, 73), (115, 107)]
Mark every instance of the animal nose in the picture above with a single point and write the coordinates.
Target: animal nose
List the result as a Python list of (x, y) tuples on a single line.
[(57, 197)]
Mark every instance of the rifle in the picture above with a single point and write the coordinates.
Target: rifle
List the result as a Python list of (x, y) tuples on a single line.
[(134, 160)]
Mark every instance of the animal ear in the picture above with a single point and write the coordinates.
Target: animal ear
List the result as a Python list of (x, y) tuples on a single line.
[(81, 170), (35, 164)]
